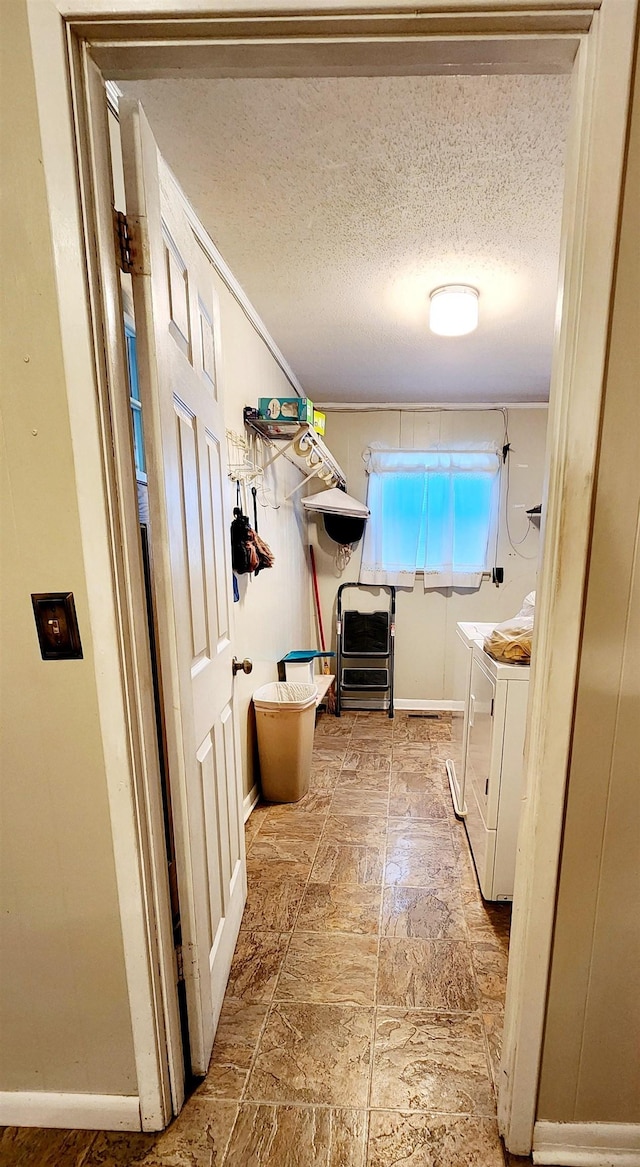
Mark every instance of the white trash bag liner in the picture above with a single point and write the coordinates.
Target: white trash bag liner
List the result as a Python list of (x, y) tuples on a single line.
[(285, 695)]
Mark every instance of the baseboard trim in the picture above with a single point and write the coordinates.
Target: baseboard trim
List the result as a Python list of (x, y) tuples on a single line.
[(250, 801), (428, 706), (586, 1144), (89, 1112)]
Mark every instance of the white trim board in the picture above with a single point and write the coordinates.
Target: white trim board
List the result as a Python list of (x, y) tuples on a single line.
[(87, 1112), (250, 800), (424, 407), (586, 1144), (593, 186), (573, 16), (404, 703)]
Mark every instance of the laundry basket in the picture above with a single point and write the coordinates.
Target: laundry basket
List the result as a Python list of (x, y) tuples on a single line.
[(285, 720)]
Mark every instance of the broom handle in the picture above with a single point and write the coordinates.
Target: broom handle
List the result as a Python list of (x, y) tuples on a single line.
[(317, 598)]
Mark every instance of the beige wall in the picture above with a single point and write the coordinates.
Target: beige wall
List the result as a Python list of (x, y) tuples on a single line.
[(426, 621), (64, 1018), (590, 1066), (273, 613)]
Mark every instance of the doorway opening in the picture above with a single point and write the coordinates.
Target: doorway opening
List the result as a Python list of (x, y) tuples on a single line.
[(557, 486), (507, 112)]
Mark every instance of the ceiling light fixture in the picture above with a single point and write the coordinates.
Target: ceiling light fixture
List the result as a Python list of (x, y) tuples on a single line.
[(454, 310)]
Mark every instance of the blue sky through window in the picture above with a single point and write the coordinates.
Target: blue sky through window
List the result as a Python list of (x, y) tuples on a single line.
[(438, 520)]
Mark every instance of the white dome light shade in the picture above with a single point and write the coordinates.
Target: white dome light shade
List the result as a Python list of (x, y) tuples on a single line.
[(454, 310)]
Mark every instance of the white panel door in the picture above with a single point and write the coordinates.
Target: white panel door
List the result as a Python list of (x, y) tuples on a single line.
[(179, 365)]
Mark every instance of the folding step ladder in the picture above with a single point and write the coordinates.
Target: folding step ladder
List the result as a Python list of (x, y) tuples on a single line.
[(368, 640)]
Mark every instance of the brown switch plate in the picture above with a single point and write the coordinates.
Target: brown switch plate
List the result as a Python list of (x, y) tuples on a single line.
[(57, 625)]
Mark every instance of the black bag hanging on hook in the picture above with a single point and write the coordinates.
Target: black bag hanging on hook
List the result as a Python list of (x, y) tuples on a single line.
[(248, 551), (265, 554), (244, 555)]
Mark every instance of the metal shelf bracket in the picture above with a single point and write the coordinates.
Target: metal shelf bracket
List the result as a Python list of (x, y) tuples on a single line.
[(304, 448)]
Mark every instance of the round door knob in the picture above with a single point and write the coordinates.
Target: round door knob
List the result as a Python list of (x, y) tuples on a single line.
[(241, 666)]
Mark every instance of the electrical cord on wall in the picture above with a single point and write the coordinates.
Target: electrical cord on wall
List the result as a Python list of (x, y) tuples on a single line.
[(343, 556), (506, 451)]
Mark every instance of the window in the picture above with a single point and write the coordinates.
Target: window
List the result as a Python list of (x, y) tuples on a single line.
[(135, 402), (432, 511)]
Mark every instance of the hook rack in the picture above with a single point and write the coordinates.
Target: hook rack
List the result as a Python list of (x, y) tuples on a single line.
[(304, 448), (246, 469)]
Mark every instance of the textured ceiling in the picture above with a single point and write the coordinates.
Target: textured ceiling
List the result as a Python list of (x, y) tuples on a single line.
[(339, 203)]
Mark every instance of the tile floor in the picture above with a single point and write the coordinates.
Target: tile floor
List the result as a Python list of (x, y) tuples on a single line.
[(362, 1020)]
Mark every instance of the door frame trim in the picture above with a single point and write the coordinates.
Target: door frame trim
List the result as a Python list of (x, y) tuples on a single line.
[(161, 1077), (589, 238), (596, 159)]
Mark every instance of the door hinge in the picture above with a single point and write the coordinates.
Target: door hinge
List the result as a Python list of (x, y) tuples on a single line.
[(179, 963), (124, 241)]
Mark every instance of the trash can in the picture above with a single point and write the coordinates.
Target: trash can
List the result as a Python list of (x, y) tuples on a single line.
[(285, 720)]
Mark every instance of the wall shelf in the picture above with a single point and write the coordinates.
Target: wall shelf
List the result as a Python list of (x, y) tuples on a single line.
[(303, 447)]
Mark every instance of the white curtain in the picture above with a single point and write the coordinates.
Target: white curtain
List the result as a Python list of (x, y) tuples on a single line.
[(432, 511)]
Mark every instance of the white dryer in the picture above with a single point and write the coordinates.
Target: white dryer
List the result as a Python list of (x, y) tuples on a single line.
[(495, 735), (467, 636)]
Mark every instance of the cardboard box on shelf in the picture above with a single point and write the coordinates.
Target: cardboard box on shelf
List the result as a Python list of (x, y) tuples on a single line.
[(319, 421), (286, 409)]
